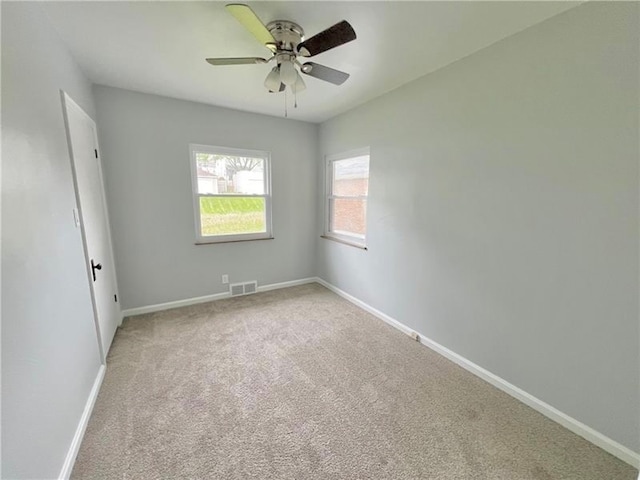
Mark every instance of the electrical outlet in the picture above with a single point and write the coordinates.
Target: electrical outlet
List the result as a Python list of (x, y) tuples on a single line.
[(225, 278)]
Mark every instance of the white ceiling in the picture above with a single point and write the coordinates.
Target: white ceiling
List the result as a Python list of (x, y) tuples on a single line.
[(160, 47)]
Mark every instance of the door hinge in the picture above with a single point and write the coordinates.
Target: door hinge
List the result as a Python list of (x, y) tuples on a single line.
[(96, 152), (115, 298)]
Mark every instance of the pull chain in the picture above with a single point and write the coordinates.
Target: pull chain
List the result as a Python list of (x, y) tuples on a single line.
[(285, 103)]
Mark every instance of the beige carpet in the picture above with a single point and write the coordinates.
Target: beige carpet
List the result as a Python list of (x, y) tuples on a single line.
[(300, 384)]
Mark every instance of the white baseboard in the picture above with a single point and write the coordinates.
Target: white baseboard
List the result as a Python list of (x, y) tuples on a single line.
[(158, 307), (82, 426), (209, 298), (614, 448), (292, 283)]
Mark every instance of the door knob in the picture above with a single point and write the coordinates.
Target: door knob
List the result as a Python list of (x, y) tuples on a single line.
[(94, 267)]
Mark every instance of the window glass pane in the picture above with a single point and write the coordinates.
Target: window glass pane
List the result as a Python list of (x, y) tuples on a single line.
[(351, 176), (232, 215), (348, 216), (228, 174)]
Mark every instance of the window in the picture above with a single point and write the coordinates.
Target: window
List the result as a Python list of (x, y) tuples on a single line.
[(347, 190), (231, 194)]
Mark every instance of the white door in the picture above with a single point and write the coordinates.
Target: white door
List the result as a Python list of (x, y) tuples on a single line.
[(87, 172)]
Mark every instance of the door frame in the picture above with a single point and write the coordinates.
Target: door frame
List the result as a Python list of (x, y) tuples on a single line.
[(68, 102)]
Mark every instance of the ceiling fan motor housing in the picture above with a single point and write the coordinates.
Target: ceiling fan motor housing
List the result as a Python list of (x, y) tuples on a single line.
[(287, 35)]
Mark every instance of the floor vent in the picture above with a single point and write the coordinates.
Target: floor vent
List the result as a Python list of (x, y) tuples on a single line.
[(243, 288)]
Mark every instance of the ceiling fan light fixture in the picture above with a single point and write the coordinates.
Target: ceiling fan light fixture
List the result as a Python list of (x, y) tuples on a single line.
[(288, 73), (272, 82), (299, 86)]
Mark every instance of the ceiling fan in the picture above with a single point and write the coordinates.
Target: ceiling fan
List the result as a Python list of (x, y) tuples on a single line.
[(286, 41)]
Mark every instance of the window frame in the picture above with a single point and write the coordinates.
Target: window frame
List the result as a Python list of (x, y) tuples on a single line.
[(201, 239), (353, 240)]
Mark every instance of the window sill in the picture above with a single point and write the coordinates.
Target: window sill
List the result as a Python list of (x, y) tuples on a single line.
[(214, 242), (345, 242)]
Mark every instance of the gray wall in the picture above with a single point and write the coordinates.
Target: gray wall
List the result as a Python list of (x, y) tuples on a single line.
[(145, 151), (50, 355), (503, 213)]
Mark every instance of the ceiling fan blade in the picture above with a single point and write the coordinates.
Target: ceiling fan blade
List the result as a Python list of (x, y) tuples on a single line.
[(236, 61), (324, 73), (332, 37), (251, 22)]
